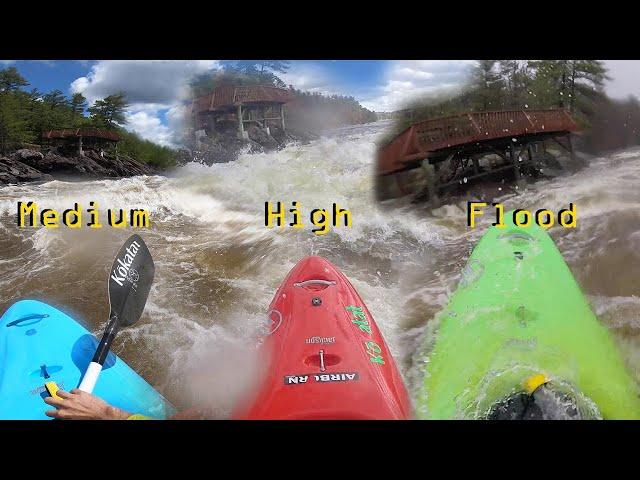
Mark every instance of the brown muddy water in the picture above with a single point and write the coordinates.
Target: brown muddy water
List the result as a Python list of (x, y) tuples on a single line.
[(217, 266)]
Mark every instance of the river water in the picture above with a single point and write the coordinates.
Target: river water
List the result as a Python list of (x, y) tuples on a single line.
[(218, 266)]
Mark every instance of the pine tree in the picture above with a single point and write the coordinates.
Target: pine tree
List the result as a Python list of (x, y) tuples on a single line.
[(13, 125), (586, 84), (78, 104), (11, 80), (109, 112), (487, 85)]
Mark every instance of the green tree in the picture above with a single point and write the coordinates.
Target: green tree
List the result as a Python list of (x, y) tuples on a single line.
[(78, 104), (55, 99), (13, 124), (144, 150), (486, 84), (586, 80), (110, 111), (261, 67), (11, 80), (13, 102)]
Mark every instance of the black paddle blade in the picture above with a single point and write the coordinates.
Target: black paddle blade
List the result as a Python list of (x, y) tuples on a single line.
[(130, 280)]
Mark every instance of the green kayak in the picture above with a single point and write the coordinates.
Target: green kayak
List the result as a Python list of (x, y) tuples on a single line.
[(517, 324)]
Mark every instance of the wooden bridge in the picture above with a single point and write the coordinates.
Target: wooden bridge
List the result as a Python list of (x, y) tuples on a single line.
[(455, 144), (81, 132), (240, 105), (77, 137)]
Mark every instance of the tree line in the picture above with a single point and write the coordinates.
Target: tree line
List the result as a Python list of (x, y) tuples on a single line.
[(26, 114), (576, 85)]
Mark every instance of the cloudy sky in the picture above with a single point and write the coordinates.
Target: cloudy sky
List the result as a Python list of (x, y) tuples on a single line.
[(155, 88)]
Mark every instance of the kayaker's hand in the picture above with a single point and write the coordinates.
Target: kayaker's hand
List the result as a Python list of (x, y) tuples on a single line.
[(79, 405)]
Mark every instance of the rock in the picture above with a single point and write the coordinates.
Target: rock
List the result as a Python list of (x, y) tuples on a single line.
[(299, 136), (13, 171), (263, 138), (29, 165), (92, 164), (223, 148), (122, 166), (52, 162), (28, 157), (184, 156)]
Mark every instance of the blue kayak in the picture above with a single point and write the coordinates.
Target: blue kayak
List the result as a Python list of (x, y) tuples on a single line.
[(39, 344)]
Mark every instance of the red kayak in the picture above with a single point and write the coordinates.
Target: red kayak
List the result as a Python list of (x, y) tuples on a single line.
[(327, 359)]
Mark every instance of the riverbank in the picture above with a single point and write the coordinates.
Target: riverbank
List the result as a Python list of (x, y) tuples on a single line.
[(27, 165), (223, 147)]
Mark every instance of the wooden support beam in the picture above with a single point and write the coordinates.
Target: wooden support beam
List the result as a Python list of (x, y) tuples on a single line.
[(499, 153), (530, 151), (514, 162), (476, 165), (570, 143), (567, 148), (240, 122), (479, 175)]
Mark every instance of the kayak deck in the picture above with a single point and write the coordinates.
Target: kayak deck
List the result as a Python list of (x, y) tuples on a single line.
[(39, 343), (518, 312), (325, 356)]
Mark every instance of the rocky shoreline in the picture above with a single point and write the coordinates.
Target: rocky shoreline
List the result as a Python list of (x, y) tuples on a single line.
[(27, 165), (226, 147)]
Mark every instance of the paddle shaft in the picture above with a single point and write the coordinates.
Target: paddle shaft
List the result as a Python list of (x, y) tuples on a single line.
[(95, 367)]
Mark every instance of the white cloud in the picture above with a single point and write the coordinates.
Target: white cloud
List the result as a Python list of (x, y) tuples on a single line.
[(407, 80), (151, 86), (143, 81), (624, 78), (7, 62), (309, 77), (149, 126)]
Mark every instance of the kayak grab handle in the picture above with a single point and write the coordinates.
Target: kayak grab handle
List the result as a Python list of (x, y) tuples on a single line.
[(36, 317), (308, 283)]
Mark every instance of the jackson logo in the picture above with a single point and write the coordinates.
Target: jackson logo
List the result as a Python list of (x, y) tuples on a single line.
[(321, 340), (121, 272)]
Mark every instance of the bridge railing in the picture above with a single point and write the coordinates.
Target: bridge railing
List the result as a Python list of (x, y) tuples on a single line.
[(440, 133), (478, 126), (81, 132)]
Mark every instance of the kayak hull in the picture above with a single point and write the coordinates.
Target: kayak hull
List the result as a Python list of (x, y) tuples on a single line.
[(36, 341), (325, 356), (518, 312)]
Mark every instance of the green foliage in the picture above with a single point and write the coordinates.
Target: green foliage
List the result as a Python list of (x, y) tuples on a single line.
[(11, 80), (24, 116), (317, 112), (144, 150), (109, 112), (576, 85), (78, 104), (14, 121), (487, 86)]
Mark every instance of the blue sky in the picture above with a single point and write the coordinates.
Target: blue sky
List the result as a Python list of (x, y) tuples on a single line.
[(155, 88)]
